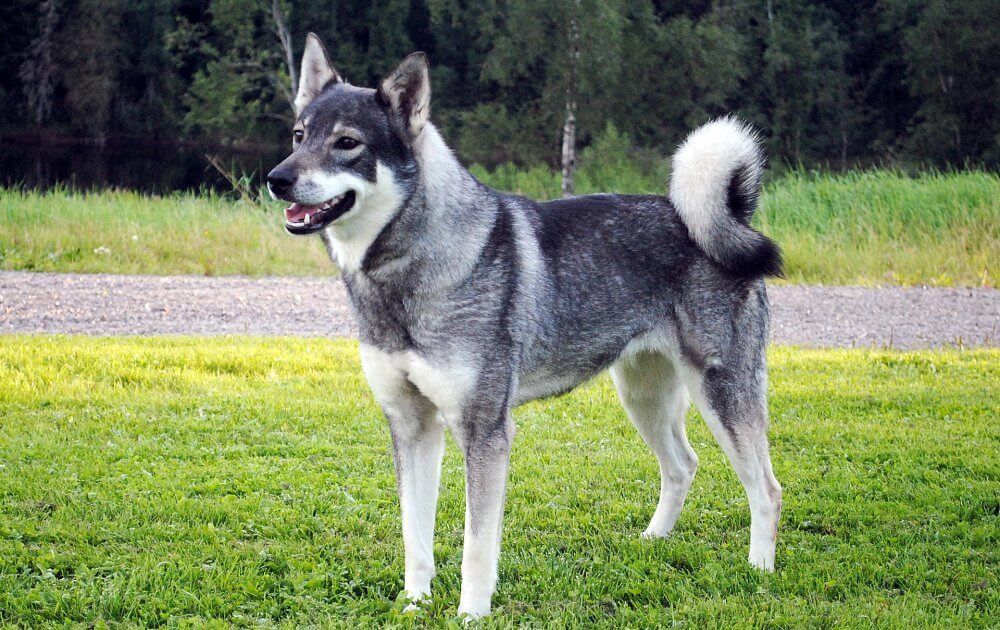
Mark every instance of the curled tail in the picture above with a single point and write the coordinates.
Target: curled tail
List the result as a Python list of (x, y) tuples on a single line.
[(714, 186)]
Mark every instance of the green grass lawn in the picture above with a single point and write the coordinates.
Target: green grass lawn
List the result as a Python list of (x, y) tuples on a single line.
[(249, 481), (870, 228)]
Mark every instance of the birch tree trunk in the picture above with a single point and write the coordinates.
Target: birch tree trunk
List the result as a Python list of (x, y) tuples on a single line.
[(284, 33), (569, 127), (569, 149)]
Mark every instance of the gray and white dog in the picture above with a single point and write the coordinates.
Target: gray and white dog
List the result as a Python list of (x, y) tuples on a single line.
[(472, 301)]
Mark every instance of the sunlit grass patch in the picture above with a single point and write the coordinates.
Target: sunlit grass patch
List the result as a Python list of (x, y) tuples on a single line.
[(249, 481)]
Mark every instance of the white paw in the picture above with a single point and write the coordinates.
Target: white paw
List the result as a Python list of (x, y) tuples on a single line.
[(416, 601), (762, 561), (470, 611), (651, 533)]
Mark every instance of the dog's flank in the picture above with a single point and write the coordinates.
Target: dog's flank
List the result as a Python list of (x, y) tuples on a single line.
[(470, 301)]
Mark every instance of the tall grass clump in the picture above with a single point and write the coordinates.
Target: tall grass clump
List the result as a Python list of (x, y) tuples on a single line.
[(885, 227), (118, 231)]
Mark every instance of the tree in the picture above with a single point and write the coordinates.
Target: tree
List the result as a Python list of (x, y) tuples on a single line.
[(92, 62), (38, 71), (549, 56), (240, 90), (284, 34), (528, 81), (572, 80), (147, 99), (952, 55), (678, 73), (805, 89)]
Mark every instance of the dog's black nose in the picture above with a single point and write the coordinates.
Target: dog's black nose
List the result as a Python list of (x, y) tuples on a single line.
[(280, 180)]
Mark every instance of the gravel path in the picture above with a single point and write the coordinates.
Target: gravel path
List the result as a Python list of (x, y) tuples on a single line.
[(101, 304)]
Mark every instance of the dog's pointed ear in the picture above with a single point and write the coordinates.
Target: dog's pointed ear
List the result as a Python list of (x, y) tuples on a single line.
[(407, 93), (317, 72)]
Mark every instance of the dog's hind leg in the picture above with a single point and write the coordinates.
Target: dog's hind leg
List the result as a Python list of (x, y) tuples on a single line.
[(656, 401), (733, 400)]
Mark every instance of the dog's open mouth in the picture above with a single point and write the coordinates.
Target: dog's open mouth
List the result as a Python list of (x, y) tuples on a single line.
[(305, 219)]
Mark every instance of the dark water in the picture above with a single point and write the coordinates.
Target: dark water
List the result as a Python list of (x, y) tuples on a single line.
[(143, 167)]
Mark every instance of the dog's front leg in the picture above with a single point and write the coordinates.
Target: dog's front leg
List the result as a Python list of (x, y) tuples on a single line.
[(418, 446), (485, 435)]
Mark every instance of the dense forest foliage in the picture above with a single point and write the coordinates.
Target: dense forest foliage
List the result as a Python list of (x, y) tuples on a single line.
[(832, 82)]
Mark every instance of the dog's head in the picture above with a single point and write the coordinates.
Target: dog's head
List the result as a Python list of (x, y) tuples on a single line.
[(351, 147)]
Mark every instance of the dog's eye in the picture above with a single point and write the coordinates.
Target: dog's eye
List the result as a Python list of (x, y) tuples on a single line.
[(346, 143), (298, 134)]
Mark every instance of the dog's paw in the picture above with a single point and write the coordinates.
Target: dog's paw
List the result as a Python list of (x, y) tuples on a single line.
[(762, 561), (412, 607), (652, 534), (409, 603), (469, 612)]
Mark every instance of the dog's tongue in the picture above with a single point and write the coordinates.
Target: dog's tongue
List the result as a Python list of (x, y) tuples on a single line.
[(297, 211)]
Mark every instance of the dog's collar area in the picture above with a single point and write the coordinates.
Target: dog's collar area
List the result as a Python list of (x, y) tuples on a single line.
[(307, 219)]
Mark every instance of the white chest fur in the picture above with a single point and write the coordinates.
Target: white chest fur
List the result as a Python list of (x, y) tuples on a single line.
[(393, 375), (352, 234)]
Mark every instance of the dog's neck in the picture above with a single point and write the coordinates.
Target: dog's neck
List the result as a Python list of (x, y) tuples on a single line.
[(443, 179), (441, 223)]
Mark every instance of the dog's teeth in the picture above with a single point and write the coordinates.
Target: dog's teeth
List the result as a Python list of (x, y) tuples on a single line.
[(306, 219)]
